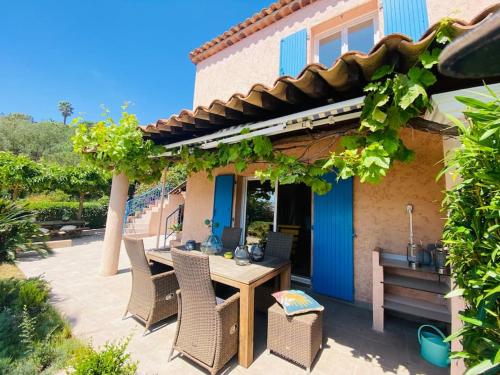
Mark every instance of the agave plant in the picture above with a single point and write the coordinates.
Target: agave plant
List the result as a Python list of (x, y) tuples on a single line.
[(18, 232)]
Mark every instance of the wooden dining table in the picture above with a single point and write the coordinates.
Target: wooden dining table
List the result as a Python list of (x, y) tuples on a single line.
[(246, 279)]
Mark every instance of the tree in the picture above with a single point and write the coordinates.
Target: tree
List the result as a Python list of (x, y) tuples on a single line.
[(19, 173), (81, 180), (66, 110), (47, 140)]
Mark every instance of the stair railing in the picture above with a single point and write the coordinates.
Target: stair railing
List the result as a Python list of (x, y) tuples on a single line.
[(140, 202), (174, 218)]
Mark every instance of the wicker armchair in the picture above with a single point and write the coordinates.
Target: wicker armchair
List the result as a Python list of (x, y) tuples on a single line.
[(207, 331), (278, 245), (153, 296), (231, 238)]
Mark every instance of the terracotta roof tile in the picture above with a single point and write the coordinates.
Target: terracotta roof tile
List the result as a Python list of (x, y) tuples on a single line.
[(316, 85)]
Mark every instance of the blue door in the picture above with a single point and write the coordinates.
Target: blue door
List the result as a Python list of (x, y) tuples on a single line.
[(223, 203), (293, 53), (407, 17), (333, 259)]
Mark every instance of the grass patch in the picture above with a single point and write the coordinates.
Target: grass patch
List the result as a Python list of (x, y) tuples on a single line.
[(8, 271)]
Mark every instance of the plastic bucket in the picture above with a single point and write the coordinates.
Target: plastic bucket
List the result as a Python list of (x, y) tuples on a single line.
[(432, 346)]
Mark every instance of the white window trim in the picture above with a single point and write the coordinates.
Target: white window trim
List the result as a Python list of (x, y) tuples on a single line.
[(343, 30), (243, 211)]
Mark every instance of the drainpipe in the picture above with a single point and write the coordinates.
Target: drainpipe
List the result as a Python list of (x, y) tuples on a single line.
[(114, 225)]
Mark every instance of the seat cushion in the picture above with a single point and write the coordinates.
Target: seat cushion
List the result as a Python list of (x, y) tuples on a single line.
[(296, 302), (219, 301)]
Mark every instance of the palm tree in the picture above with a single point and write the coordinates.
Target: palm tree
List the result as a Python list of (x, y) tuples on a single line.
[(66, 110)]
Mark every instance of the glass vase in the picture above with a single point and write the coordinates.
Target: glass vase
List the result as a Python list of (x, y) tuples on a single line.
[(212, 245)]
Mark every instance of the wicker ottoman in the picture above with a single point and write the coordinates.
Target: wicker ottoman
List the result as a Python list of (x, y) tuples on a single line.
[(297, 338)]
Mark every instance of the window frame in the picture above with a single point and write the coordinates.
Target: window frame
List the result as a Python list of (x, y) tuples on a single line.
[(343, 30)]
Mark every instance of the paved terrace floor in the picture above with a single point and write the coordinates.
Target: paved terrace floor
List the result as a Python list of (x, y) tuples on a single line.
[(94, 305)]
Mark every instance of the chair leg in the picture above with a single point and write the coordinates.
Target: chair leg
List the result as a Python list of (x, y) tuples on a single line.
[(170, 354), (125, 314)]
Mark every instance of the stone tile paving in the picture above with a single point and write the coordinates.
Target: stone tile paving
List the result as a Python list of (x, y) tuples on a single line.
[(94, 305)]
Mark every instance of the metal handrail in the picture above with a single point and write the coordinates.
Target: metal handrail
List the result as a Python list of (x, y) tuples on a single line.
[(175, 217), (144, 200)]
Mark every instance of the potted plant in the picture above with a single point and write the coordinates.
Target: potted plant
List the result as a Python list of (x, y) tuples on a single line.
[(176, 230), (212, 245)]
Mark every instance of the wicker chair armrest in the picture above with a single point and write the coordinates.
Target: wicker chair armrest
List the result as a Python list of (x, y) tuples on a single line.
[(229, 303), (162, 275), (165, 285), (227, 330)]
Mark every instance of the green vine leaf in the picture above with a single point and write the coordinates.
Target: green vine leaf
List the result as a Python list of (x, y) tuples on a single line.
[(430, 58), (383, 71)]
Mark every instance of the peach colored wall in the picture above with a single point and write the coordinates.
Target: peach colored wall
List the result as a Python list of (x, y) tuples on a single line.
[(173, 203), (255, 59), (461, 9), (380, 217)]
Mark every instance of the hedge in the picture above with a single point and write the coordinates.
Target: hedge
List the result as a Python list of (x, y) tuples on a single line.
[(94, 213)]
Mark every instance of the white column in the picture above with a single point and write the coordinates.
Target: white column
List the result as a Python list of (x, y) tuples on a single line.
[(114, 225)]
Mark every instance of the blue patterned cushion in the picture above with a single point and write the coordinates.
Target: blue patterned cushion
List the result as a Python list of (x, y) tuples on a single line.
[(296, 302)]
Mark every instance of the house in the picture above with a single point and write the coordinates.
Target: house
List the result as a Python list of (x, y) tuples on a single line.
[(287, 72), (281, 40)]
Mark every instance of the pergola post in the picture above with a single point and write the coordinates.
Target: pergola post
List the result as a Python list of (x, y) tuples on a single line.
[(114, 225)]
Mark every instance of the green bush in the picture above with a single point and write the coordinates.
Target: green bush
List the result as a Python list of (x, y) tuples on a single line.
[(18, 232), (23, 303), (51, 196), (259, 229), (94, 213), (472, 232), (111, 360), (33, 337)]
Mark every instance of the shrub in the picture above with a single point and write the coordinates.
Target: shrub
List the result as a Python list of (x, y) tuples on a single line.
[(259, 229), (25, 316), (111, 360), (18, 232), (94, 213), (472, 232), (52, 196)]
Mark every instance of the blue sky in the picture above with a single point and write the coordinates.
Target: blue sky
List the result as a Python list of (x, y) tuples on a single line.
[(94, 53)]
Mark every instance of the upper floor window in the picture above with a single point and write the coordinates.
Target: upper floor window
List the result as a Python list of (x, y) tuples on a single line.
[(356, 36)]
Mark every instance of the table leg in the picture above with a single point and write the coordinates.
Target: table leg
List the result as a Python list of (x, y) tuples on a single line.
[(245, 352), (285, 277)]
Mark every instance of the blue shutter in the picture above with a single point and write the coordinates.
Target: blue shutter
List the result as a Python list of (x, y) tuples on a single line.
[(223, 203), (293, 54), (407, 17), (333, 258)]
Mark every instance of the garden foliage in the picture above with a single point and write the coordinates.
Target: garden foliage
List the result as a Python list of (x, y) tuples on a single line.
[(33, 337), (120, 148), (94, 212), (472, 233), (18, 232), (112, 359)]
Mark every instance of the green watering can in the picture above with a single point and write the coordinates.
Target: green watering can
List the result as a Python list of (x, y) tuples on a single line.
[(432, 347)]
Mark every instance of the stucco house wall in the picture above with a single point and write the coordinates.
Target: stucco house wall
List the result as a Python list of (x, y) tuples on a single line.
[(380, 217), (255, 59), (461, 9)]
